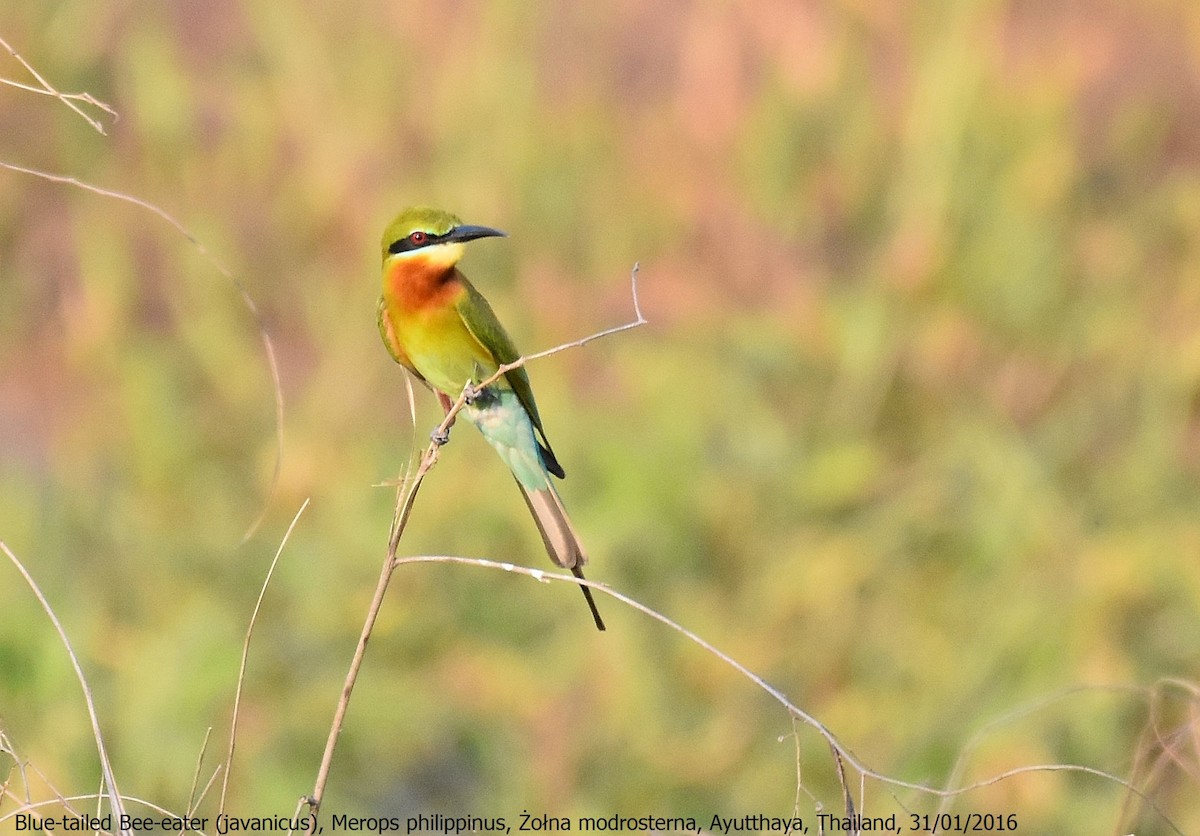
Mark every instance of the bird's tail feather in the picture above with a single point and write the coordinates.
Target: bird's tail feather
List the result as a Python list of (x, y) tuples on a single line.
[(558, 535)]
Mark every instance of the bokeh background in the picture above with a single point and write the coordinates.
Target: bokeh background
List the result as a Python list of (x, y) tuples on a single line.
[(914, 432)]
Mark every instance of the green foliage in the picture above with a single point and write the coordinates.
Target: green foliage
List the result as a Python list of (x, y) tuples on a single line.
[(913, 432)]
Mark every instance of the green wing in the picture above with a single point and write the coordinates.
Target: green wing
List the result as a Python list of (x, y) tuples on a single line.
[(481, 321)]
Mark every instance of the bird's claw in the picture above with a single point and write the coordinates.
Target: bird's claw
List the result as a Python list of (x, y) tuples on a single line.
[(471, 394), (440, 436)]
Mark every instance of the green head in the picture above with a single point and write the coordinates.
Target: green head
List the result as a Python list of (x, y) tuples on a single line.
[(431, 233)]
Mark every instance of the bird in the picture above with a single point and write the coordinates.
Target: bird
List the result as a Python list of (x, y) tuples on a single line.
[(438, 326)]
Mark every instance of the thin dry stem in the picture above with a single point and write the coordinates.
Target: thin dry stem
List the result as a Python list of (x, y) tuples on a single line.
[(110, 780), (360, 651), (47, 89), (193, 800), (300, 807), (839, 763), (1158, 748), (241, 679), (505, 368), (247, 301)]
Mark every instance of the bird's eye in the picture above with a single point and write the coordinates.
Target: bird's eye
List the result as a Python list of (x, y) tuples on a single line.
[(418, 238)]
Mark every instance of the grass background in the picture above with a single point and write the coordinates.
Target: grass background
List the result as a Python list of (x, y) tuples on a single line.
[(914, 432)]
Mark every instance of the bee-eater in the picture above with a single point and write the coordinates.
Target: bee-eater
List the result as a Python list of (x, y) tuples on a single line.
[(439, 327)]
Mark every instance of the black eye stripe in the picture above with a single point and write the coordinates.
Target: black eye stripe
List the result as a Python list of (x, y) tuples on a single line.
[(404, 245)]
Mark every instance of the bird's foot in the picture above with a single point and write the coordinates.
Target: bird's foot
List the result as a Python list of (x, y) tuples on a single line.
[(471, 394), (440, 436)]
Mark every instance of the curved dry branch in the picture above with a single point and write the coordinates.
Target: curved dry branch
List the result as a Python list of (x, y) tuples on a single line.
[(840, 750), (247, 301)]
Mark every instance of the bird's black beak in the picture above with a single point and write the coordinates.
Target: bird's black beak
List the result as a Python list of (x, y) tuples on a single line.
[(470, 233)]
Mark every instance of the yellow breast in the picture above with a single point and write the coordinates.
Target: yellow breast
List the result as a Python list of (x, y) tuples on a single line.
[(420, 319)]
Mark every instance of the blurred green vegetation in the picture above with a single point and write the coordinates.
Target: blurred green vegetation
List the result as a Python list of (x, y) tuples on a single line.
[(914, 433)]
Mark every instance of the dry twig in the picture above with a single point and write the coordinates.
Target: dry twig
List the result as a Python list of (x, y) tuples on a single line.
[(241, 678), (47, 89), (247, 301), (110, 781)]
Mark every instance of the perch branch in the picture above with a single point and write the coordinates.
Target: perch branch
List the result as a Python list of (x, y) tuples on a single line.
[(406, 497)]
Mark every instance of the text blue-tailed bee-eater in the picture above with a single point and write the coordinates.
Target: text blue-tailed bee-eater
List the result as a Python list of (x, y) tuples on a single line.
[(439, 327)]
